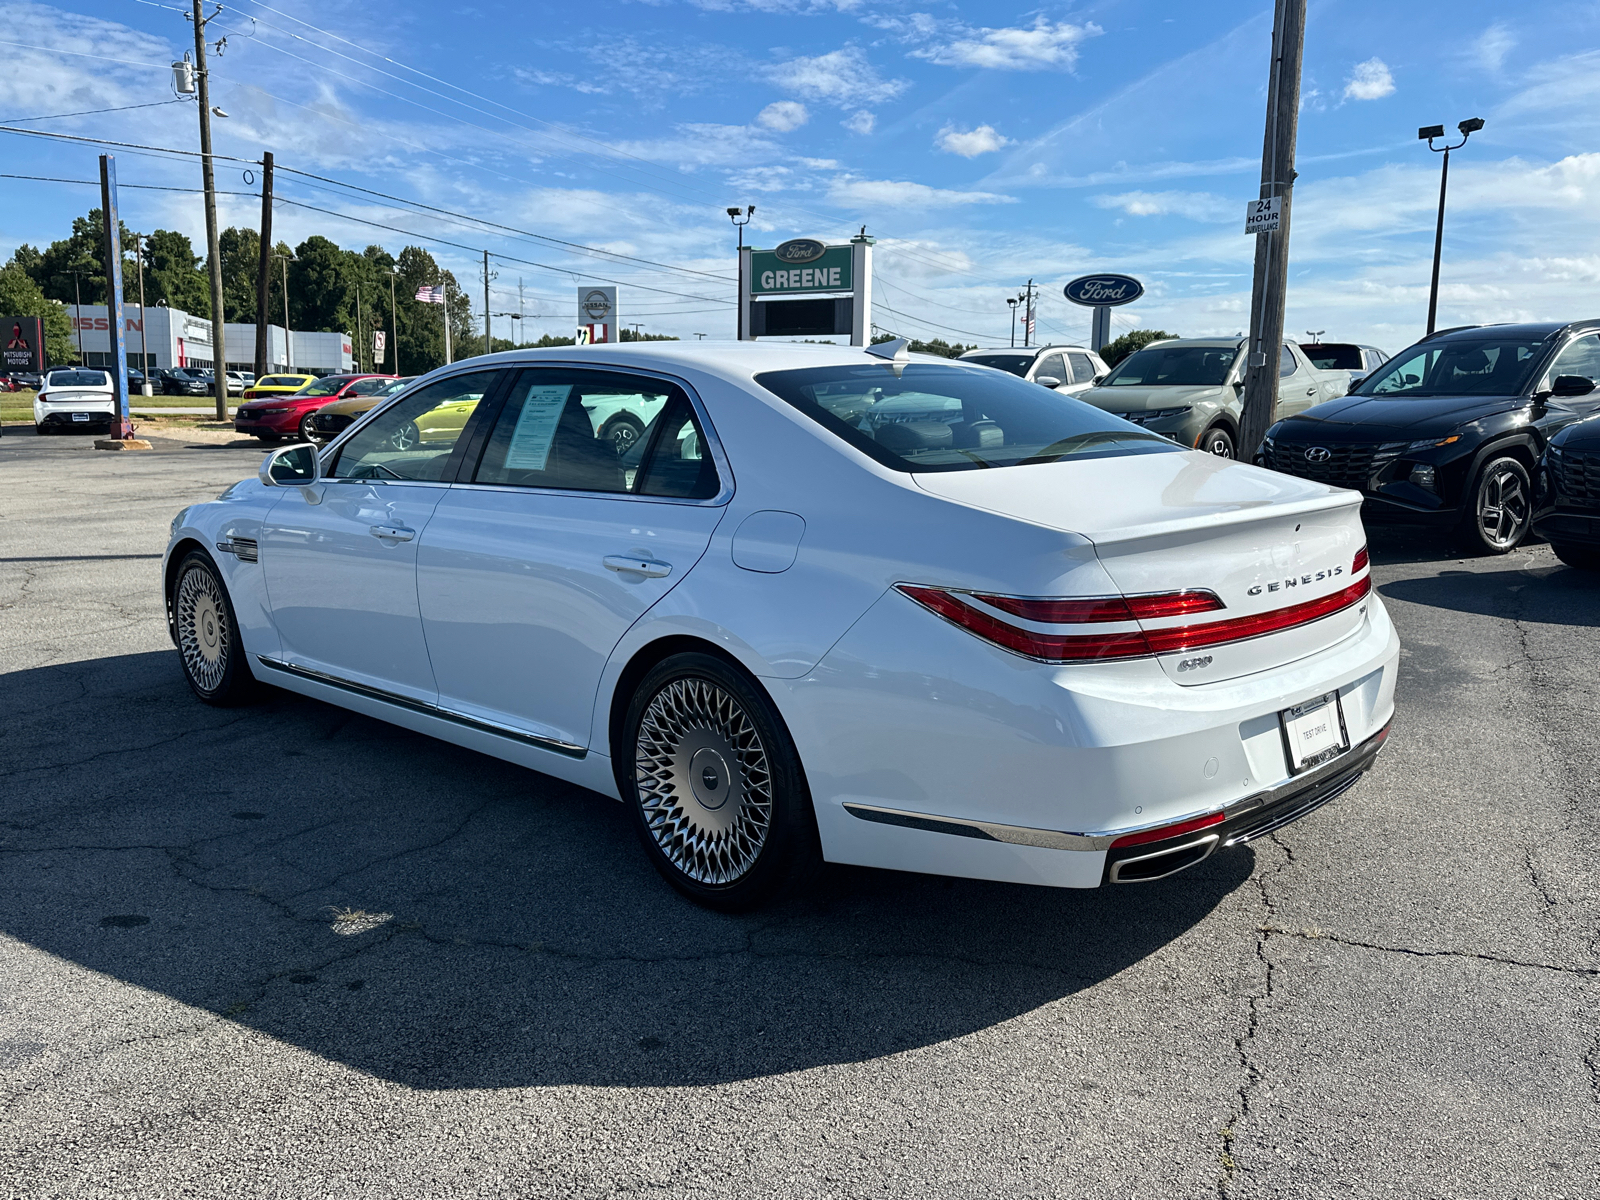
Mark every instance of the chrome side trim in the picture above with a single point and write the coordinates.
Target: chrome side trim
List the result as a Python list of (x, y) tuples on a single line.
[(1355, 761), (244, 549), (430, 710)]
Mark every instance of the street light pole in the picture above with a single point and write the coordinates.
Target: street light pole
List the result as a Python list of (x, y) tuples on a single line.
[(394, 318), (733, 215), (1013, 301), (77, 313), (144, 346), (1428, 133), (288, 338)]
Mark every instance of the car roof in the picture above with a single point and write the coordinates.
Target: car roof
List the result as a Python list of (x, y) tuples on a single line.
[(1529, 330), (1234, 342)]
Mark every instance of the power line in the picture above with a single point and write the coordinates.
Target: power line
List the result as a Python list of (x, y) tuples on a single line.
[(127, 62), (89, 112)]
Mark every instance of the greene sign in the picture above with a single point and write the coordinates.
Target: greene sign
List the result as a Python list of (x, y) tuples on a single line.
[(798, 267)]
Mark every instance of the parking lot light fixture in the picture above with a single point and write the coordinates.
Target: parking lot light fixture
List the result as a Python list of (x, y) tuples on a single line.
[(1429, 134)]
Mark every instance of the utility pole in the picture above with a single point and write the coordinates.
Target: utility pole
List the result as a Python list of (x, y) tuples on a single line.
[(360, 332), (1028, 315), (488, 321), (219, 373), (394, 319), (522, 307), (263, 278), (144, 348), (1270, 284)]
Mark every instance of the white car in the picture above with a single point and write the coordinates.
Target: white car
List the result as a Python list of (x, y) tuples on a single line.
[(1070, 370), (1014, 638), (75, 398), (238, 381)]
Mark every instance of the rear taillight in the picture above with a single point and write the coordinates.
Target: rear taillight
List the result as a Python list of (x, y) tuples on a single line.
[(1081, 645), (1162, 832), (1360, 561)]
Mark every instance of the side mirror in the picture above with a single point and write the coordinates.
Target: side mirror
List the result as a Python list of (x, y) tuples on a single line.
[(292, 466), (1571, 385), (1099, 379), (1049, 381)]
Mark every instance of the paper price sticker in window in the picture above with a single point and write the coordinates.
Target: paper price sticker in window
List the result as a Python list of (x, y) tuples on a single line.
[(536, 427)]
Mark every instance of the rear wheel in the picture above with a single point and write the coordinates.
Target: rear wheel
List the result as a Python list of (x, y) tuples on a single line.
[(1218, 441), (406, 437), (1584, 558), (208, 635), (714, 784), (307, 432), (623, 433), (1499, 508)]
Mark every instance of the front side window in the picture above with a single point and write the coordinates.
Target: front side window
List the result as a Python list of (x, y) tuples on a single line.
[(415, 438), (1015, 364), (1174, 366), (1581, 357), (1082, 368), (368, 387), (558, 430), (1052, 366), (1287, 363), (927, 417), (1477, 367), (325, 387)]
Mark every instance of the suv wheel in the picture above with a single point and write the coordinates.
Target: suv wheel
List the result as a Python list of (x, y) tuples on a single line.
[(623, 433), (208, 635), (714, 784), (1499, 507), (1218, 441), (1584, 558)]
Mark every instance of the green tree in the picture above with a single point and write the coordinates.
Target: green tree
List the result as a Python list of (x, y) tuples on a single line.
[(1135, 339), (20, 297), (172, 274), (76, 265), (629, 335), (241, 264)]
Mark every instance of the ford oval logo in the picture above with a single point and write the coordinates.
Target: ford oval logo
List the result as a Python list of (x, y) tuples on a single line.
[(1318, 454), (1103, 290), (800, 250)]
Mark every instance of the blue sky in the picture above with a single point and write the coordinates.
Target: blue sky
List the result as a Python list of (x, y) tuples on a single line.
[(981, 143)]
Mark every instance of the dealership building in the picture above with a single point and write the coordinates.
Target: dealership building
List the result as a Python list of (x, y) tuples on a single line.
[(169, 337)]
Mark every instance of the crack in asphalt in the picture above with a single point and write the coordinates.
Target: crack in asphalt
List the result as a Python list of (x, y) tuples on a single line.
[(1324, 936), (139, 749)]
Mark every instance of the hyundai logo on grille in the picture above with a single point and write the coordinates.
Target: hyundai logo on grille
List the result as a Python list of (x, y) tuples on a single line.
[(1318, 454)]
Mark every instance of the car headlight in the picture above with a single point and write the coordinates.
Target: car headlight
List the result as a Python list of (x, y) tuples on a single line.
[(1430, 443)]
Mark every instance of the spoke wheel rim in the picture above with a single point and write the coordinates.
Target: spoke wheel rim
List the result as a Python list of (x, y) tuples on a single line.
[(1219, 445), (203, 634), (1503, 508), (704, 782), (623, 436), (405, 437)]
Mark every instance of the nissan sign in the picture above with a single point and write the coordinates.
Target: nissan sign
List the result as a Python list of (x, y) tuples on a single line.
[(1103, 291)]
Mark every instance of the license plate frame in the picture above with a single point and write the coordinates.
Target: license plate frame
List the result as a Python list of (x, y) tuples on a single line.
[(1308, 739), (84, 417)]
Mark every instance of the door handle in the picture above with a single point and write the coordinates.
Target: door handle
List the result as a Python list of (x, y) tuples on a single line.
[(1311, 391), (648, 567), (396, 533)]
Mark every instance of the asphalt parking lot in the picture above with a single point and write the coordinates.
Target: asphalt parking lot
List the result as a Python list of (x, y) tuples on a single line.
[(290, 951)]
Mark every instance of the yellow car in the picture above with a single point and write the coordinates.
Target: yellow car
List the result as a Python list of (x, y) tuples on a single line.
[(333, 419), (277, 385)]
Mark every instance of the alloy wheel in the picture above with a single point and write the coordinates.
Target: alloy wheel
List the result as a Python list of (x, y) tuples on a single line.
[(203, 634), (704, 782), (1217, 442), (1503, 505), (406, 437)]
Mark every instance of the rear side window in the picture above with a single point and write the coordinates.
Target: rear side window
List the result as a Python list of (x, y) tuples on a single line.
[(598, 431), (1082, 368), (1287, 363), (928, 417)]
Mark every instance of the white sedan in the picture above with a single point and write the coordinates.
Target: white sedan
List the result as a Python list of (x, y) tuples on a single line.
[(74, 398), (886, 610)]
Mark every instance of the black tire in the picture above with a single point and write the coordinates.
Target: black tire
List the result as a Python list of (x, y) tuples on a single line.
[(745, 830), (41, 430), (1217, 440), (623, 433), (307, 433), (1584, 558), (1498, 512), (209, 649)]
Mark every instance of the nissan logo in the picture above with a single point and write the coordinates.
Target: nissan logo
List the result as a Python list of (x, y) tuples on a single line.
[(1318, 454)]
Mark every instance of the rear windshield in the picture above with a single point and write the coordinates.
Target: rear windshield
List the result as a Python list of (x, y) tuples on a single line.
[(1334, 358), (1174, 366), (1017, 364), (1458, 367), (927, 417), (293, 381), (60, 379)]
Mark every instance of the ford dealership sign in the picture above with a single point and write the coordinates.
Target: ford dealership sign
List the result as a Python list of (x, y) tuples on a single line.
[(1097, 291)]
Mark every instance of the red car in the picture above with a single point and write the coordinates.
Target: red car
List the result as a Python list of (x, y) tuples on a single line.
[(289, 416)]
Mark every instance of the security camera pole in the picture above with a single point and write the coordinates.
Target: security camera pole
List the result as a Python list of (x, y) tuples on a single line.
[(219, 355), (1427, 133), (1272, 240), (744, 289)]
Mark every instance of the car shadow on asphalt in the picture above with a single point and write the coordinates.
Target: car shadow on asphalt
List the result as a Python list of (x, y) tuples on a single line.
[(445, 920), (1564, 596)]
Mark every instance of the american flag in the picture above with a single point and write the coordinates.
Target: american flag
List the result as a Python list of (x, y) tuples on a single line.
[(431, 295)]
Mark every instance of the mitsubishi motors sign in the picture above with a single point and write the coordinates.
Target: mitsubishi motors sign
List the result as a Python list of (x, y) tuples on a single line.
[(21, 344)]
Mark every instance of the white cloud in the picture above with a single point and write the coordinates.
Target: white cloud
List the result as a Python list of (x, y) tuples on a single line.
[(902, 193), (1043, 47), (843, 77), (1491, 48), (1369, 80), (861, 122), (1197, 206), (970, 143), (783, 116), (705, 145)]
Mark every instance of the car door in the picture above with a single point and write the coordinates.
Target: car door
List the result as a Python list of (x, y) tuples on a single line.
[(553, 544), (340, 558), (1053, 366), (1579, 358), (1298, 386)]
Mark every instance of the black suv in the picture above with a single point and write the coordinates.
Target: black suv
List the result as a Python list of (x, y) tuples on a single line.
[(1447, 432), (1568, 492), (186, 381)]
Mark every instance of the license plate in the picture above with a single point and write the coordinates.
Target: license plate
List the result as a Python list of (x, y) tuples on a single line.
[(80, 416), (1314, 732)]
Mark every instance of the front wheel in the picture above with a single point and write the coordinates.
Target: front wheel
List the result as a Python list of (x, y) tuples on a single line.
[(406, 437), (1218, 441), (1499, 508), (307, 432), (714, 784), (1584, 558), (208, 635)]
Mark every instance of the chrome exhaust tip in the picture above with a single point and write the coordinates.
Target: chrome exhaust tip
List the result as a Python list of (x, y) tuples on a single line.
[(1146, 868)]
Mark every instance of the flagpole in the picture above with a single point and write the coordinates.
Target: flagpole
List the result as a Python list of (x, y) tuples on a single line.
[(448, 358)]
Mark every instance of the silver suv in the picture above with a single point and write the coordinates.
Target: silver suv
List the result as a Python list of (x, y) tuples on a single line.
[(1192, 390), (1072, 369)]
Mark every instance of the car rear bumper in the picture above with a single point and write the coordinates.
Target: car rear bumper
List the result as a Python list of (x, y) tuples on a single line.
[(87, 416)]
